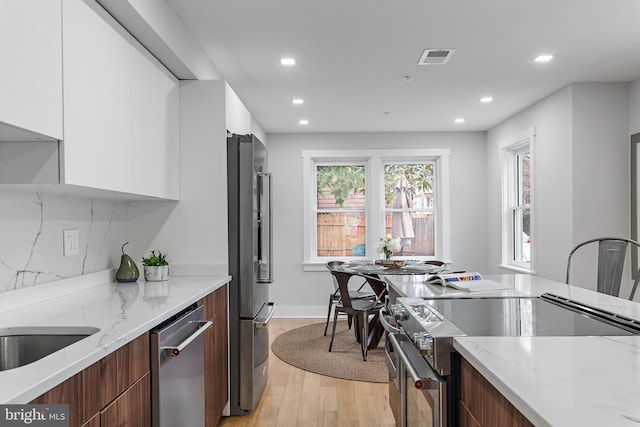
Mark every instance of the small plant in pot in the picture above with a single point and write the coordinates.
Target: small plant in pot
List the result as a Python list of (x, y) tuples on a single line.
[(156, 267)]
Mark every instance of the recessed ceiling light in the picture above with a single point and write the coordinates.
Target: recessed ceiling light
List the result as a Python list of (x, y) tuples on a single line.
[(297, 101), (543, 58), (304, 122), (486, 99), (288, 61), (459, 120)]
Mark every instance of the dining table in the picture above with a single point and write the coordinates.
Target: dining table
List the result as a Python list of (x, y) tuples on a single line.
[(372, 271)]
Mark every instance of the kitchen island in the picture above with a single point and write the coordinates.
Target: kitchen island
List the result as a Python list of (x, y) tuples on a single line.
[(552, 381), (121, 311)]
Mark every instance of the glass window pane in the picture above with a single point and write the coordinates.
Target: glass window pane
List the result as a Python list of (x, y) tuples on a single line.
[(524, 188), (417, 235), (340, 187), (522, 231), (409, 207), (415, 181), (341, 234)]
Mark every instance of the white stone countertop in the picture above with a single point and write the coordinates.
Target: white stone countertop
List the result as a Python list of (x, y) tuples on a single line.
[(553, 381), (122, 312)]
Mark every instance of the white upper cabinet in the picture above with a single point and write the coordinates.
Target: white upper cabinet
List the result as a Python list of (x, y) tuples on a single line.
[(31, 70), (120, 109), (116, 125), (237, 115)]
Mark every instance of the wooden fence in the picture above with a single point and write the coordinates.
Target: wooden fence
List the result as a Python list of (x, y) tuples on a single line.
[(339, 233)]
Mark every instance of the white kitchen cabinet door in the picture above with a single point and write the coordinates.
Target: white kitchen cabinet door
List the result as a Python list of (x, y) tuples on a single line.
[(31, 71), (97, 118), (154, 122), (116, 109), (169, 93), (237, 115)]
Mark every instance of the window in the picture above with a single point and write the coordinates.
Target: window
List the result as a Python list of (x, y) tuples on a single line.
[(352, 198), (517, 205), (409, 210)]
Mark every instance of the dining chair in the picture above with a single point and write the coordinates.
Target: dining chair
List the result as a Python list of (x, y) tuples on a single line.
[(334, 297), (359, 309), (612, 252)]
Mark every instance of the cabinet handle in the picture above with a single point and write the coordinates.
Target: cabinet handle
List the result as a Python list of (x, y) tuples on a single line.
[(175, 351)]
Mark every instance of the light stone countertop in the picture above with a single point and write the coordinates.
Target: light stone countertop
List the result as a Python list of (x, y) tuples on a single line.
[(553, 381), (122, 312)]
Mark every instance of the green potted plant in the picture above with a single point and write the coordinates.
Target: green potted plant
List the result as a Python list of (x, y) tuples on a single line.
[(156, 267)]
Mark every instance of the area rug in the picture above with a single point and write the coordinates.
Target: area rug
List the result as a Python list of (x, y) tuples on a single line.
[(307, 348)]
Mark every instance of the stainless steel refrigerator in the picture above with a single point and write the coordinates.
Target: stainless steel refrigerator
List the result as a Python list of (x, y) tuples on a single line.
[(250, 267)]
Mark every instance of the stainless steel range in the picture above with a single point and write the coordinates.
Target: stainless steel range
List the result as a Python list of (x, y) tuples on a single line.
[(424, 367)]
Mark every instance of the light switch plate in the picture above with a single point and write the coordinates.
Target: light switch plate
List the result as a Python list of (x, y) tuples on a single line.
[(70, 242)]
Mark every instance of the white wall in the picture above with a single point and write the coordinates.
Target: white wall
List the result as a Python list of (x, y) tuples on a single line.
[(634, 107), (31, 226), (194, 230), (300, 293), (156, 25), (551, 119), (581, 168), (601, 202)]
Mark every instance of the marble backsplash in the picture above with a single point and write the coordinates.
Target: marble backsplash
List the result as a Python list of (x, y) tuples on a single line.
[(31, 230)]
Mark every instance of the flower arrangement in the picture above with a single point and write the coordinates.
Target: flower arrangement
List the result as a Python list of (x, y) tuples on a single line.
[(388, 245)]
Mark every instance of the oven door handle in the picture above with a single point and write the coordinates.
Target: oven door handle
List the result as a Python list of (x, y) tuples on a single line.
[(387, 326), (418, 381), (391, 367)]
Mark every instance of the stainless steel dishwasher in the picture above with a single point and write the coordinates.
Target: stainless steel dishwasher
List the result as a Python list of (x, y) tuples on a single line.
[(177, 370)]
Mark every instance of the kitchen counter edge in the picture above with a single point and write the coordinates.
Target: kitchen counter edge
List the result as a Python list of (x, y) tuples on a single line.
[(546, 378), (122, 312)]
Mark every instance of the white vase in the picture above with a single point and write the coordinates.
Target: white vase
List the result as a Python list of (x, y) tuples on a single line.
[(156, 273)]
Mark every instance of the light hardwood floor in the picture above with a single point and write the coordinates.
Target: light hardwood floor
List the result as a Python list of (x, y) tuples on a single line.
[(294, 397)]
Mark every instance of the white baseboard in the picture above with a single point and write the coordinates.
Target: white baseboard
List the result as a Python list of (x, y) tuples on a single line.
[(296, 311)]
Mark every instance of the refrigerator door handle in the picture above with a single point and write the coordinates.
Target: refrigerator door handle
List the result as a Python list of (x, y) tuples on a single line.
[(263, 322), (265, 262)]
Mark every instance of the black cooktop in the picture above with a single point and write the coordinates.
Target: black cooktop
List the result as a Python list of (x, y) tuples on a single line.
[(521, 317)]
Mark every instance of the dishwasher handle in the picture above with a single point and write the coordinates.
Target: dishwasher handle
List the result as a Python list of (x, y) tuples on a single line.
[(175, 351)]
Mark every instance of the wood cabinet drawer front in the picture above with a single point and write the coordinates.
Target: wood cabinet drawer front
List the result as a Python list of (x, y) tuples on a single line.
[(132, 408), (466, 418), (132, 361), (483, 403), (103, 383), (64, 393)]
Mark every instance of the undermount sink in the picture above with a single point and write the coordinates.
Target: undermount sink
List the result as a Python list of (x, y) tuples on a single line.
[(20, 346)]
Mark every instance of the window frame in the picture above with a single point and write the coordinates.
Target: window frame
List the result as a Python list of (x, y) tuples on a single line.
[(374, 161), (510, 201)]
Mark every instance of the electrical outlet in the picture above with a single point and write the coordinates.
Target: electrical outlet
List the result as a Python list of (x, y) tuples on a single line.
[(70, 242)]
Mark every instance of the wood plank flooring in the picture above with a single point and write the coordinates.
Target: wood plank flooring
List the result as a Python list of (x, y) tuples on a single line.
[(294, 397)]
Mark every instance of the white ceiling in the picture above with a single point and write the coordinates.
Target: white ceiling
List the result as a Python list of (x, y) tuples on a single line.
[(352, 56)]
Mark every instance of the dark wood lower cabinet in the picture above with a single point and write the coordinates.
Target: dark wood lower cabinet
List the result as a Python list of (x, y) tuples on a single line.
[(120, 381), (93, 422), (482, 405), (131, 408), (216, 350), (466, 417), (67, 393)]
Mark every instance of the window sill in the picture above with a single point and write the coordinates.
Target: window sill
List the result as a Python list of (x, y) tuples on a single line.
[(314, 266), (517, 269)]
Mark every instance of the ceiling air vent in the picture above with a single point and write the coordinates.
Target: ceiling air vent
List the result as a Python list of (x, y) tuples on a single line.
[(435, 56)]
